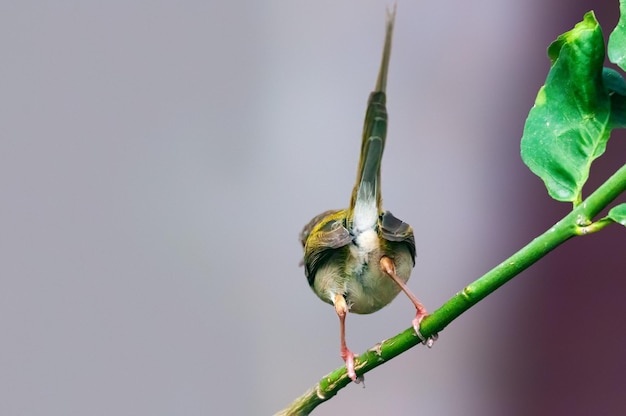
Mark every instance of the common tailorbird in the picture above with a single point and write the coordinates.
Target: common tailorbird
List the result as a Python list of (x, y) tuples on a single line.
[(358, 259)]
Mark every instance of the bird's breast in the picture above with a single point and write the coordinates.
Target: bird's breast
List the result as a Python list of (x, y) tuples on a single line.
[(367, 288), (354, 271), (364, 244)]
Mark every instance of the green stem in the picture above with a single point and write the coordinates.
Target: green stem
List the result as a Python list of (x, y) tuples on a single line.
[(568, 227)]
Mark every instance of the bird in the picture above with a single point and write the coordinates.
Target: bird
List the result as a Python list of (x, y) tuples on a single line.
[(359, 259)]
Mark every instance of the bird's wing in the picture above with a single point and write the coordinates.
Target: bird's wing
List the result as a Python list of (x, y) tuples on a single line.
[(396, 230), (306, 230), (329, 237)]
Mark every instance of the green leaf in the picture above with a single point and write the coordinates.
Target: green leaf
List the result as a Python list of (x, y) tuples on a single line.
[(613, 81), (617, 40), (616, 87), (569, 125), (618, 214)]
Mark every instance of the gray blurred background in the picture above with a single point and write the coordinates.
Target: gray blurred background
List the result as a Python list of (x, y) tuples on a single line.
[(158, 160)]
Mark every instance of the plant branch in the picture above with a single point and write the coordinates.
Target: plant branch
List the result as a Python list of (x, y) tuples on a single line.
[(571, 225)]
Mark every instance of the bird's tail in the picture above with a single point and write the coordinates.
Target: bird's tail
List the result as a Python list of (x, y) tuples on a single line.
[(366, 200)]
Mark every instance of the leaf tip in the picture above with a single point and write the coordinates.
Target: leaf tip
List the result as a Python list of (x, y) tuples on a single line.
[(581, 30)]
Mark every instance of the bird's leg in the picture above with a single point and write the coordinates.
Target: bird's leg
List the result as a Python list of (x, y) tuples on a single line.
[(342, 310), (389, 268)]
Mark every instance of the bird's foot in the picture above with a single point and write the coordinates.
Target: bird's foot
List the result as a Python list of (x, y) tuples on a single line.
[(416, 326), (348, 357)]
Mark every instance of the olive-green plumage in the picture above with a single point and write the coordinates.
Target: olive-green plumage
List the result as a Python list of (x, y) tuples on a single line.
[(359, 258), (342, 248)]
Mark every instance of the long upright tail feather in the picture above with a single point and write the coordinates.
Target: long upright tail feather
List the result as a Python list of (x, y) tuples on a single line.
[(366, 202), (381, 83)]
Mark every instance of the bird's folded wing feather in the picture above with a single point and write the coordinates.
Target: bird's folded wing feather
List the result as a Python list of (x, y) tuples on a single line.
[(329, 237), (396, 230)]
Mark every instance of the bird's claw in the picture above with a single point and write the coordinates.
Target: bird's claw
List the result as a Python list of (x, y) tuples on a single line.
[(430, 341), (348, 357)]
